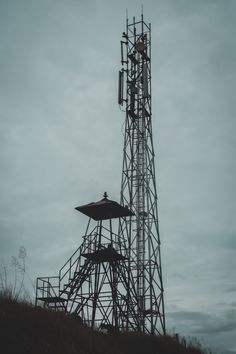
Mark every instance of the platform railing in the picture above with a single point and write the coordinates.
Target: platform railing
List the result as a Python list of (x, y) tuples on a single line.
[(47, 287)]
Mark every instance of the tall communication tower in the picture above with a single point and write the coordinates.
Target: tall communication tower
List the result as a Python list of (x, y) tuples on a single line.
[(138, 186), (114, 279)]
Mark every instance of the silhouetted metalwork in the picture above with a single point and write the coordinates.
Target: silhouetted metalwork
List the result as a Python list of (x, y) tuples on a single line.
[(138, 187), (93, 283), (113, 280)]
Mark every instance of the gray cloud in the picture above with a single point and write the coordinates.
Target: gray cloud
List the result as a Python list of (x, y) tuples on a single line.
[(208, 327), (61, 140)]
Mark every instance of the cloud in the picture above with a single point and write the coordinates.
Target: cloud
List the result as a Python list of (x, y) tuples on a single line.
[(208, 327), (61, 140)]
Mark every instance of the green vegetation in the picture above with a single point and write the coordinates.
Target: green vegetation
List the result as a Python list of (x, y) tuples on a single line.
[(28, 330)]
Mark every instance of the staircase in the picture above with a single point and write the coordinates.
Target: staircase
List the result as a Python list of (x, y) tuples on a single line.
[(55, 292)]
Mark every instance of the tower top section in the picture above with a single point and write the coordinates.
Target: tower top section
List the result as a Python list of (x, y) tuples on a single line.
[(104, 209), (135, 75)]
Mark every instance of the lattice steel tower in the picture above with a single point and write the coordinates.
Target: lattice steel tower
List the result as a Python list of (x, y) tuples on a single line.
[(138, 187), (114, 279)]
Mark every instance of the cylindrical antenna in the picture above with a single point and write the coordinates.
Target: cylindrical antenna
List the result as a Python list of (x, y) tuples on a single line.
[(121, 52), (121, 88), (145, 81)]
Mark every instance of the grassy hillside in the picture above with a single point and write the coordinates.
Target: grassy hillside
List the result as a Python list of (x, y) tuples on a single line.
[(28, 330)]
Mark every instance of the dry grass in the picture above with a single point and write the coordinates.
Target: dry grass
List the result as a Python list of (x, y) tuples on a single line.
[(28, 330)]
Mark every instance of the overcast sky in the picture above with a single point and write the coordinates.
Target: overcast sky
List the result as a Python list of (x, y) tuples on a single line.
[(61, 142)]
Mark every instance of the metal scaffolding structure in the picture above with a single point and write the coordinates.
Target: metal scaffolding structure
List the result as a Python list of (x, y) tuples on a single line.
[(113, 281), (93, 284), (138, 187)]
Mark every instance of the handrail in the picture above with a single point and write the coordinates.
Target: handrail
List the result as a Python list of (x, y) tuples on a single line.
[(55, 285), (46, 288), (66, 269)]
